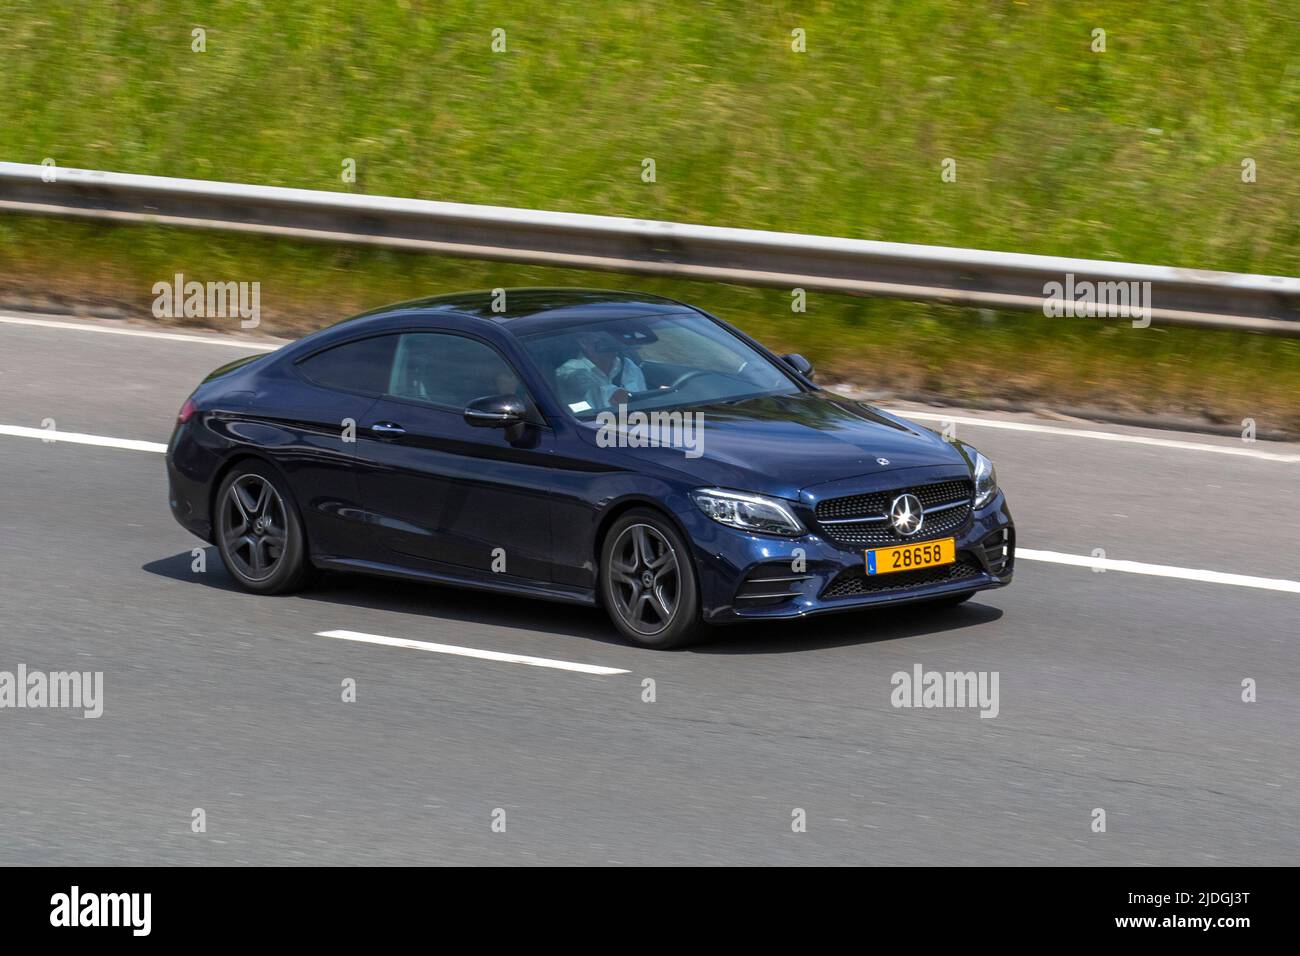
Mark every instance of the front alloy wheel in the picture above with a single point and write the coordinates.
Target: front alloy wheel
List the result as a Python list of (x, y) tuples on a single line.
[(648, 583)]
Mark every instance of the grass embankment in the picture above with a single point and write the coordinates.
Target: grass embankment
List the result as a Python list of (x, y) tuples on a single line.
[(1131, 154)]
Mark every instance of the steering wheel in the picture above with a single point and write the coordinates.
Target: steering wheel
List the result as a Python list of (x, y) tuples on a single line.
[(684, 378)]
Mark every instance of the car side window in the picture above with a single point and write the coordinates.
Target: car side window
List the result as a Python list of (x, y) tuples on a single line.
[(450, 370), (362, 366)]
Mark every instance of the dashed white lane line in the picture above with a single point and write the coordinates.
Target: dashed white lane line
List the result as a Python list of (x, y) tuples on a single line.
[(197, 339), (77, 438), (471, 652), (1099, 436), (1159, 570)]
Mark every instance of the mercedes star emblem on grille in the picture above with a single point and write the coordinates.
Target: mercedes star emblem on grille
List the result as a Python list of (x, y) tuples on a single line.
[(905, 514)]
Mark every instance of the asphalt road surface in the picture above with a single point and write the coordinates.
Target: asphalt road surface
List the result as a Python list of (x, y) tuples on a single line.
[(1119, 689)]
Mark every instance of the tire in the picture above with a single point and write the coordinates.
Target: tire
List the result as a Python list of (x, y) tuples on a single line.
[(660, 611), (259, 534)]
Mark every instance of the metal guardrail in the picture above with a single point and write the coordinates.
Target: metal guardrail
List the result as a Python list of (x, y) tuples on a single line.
[(972, 277)]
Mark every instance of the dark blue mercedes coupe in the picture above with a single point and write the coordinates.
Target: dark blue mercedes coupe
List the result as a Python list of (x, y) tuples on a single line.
[(601, 448)]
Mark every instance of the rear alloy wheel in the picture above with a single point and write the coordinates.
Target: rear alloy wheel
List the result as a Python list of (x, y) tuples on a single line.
[(259, 534), (648, 582)]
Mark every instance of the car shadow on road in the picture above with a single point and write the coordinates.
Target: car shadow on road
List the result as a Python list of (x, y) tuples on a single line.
[(865, 626), (424, 599), (492, 609)]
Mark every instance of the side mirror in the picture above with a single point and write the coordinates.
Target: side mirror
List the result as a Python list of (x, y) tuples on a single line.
[(799, 364), (496, 411)]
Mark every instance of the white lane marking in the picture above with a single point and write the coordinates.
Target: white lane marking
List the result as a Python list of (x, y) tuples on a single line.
[(1159, 570), (76, 438), (228, 341), (470, 652), (1099, 436)]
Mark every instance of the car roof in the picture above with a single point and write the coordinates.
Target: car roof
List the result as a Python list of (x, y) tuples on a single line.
[(532, 309)]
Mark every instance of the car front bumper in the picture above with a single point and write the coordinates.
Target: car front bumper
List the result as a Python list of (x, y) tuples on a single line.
[(743, 577)]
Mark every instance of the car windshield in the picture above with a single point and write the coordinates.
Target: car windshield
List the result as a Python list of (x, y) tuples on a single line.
[(653, 361)]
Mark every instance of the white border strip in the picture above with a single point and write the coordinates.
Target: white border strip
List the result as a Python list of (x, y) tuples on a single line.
[(471, 652), (1099, 436), (1159, 570)]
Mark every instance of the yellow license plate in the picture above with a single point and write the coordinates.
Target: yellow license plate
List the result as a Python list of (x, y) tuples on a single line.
[(909, 557)]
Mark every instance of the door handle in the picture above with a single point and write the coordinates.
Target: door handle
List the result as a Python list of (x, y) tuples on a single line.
[(388, 428)]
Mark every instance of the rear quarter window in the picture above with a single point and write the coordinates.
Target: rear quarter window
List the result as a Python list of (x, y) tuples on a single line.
[(361, 366)]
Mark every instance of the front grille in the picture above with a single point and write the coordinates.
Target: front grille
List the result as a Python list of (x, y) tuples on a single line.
[(867, 515), (857, 582), (770, 584)]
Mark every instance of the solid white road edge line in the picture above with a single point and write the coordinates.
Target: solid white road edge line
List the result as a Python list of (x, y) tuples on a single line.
[(1054, 557), (471, 652), (76, 438), (227, 341), (1159, 570), (1099, 436), (231, 342)]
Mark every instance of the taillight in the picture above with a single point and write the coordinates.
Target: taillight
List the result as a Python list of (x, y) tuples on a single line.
[(187, 411)]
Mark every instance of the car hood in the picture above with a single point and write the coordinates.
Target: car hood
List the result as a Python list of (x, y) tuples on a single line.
[(783, 444)]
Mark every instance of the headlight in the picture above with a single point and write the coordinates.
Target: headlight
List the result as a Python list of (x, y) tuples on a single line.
[(747, 512), (986, 481)]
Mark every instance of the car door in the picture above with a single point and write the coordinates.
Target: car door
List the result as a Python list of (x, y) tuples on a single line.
[(446, 493)]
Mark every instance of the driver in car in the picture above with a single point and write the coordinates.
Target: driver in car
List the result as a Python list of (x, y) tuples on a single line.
[(601, 377)]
